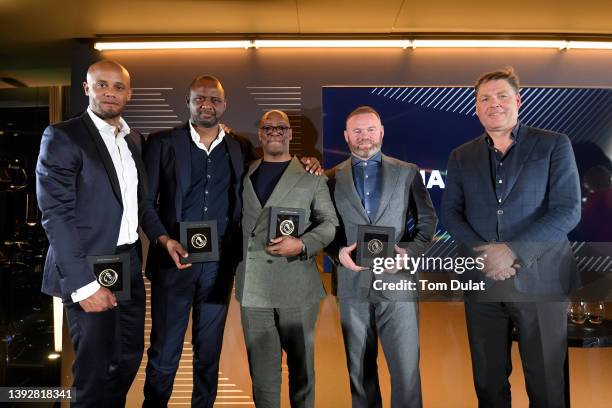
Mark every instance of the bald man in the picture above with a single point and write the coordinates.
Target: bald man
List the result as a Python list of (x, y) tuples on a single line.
[(277, 283), (90, 186)]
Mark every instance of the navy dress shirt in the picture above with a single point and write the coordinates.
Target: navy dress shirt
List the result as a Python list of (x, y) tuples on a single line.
[(367, 176)]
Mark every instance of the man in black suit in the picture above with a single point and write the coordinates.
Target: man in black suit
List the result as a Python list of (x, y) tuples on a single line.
[(512, 195), (195, 174), (91, 189)]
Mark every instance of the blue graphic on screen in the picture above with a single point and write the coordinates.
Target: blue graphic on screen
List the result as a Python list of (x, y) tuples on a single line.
[(424, 124)]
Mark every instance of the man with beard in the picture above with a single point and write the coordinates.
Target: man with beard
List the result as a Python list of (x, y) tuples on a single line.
[(195, 174), (512, 195), (371, 188), (90, 186), (278, 283)]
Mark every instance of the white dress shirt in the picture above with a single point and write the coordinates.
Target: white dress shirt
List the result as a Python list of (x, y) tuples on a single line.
[(125, 167), (195, 136)]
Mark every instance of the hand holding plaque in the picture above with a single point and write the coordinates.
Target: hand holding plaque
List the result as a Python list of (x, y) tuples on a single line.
[(374, 242), (113, 272), (286, 222), (200, 240)]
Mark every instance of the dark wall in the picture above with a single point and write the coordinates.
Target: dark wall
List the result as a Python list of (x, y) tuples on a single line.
[(301, 73)]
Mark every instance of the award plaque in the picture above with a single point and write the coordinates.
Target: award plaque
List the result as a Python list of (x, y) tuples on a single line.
[(113, 273), (374, 242), (286, 221), (200, 240)]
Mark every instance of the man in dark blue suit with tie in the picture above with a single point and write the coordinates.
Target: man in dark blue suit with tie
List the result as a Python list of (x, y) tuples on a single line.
[(512, 195), (91, 189), (195, 174)]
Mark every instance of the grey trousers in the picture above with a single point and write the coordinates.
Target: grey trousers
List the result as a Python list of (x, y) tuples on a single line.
[(267, 332), (397, 325)]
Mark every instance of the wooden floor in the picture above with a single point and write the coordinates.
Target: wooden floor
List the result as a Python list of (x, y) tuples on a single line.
[(445, 365)]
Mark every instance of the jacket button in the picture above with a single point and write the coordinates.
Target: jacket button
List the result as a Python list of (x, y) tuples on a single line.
[(252, 235), (500, 212), (269, 261)]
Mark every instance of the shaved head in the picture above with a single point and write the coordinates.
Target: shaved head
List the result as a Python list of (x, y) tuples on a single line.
[(106, 65), (108, 88), (275, 135), (207, 80), (206, 101), (273, 112)]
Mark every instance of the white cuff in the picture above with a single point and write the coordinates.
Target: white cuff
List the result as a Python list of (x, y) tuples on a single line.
[(85, 292)]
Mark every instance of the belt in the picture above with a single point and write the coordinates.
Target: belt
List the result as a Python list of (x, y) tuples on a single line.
[(126, 247)]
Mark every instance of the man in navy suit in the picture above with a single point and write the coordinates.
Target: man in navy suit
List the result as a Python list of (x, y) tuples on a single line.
[(195, 174), (512, 195), (91, 189)]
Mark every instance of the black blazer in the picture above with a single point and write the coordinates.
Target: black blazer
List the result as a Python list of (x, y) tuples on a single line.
[(80, 199), (167, 160), (540, 207)]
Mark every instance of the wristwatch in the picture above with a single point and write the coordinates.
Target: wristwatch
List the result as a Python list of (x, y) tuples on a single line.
[(303, 255)]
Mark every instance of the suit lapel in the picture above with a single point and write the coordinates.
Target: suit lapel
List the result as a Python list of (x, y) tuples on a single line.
[(182, 156), (140, 168), (235, 153), (518, 158), (483, 166), (104, 155), (390, 175), (249, 196), (288, 180), (344, 181)]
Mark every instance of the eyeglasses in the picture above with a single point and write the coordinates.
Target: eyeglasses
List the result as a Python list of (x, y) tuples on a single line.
[(272, 129)]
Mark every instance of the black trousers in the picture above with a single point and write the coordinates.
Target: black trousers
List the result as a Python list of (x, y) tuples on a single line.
[(204, 288), (108, 346), (269, 331), (542, 328)]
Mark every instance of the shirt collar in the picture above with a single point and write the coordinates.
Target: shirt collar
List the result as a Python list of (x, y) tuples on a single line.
[(513, 135), (376, 158), (195, 136), (106, 128)]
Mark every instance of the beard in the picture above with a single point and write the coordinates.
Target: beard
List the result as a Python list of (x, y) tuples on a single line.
[(211, 121), (106, 114), (365, 153)]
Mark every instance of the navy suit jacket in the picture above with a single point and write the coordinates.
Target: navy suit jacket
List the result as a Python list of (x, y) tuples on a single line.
[(540, 207), (80, 199), (167, 160)]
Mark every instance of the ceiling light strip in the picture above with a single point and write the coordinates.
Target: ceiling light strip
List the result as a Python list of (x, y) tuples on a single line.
[(331, 43), (590, 45), (163, 45), (399, 43), (488, 44)]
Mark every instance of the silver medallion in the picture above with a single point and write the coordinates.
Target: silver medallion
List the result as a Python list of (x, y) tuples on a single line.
[(375, 246), (286, 227), (199, 241), (108, 277)]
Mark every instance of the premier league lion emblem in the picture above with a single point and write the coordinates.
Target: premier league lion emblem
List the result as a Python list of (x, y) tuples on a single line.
[(108, 277), (286, 227), (199, 241), (375, 246)]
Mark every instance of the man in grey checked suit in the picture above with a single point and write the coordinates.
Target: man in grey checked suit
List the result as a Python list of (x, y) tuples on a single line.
[(512, 195), (278, 283), (373, 189)]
